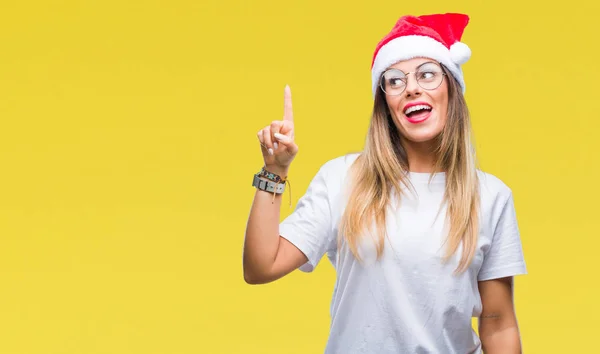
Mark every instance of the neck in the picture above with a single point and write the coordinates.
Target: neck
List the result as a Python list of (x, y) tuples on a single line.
[(421, 156)]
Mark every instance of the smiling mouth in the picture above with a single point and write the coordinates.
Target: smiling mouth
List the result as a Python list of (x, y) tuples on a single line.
[(418, 113)]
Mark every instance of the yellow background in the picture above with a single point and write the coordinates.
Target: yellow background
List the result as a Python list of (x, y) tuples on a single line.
[(128, 143)]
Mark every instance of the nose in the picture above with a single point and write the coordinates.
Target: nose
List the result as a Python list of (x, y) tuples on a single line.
[(412, 87)]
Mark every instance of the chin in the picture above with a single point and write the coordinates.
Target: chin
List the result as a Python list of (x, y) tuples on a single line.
[(421, 138), (417, 133)]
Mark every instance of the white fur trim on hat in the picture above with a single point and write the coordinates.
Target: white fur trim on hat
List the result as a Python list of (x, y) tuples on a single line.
[(460, 53), (414, 46)]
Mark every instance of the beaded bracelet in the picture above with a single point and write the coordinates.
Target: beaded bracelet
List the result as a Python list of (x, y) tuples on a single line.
[(271, 176)]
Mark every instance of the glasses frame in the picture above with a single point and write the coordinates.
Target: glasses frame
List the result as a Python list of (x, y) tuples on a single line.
[(381, 81)]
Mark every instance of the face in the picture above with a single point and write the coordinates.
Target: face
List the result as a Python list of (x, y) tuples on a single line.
[(420, 111)]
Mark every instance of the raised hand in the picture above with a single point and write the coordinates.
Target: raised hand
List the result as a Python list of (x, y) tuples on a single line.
[(277, 140)]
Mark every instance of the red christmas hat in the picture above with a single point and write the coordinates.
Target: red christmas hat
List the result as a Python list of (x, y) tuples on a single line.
[(432, 36)]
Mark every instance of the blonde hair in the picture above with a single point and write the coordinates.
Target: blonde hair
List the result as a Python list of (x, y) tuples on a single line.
[(382, 166)]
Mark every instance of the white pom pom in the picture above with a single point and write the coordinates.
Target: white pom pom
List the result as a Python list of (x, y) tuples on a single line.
[(460, 53)]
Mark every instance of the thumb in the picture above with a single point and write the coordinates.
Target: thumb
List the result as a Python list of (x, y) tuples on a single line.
[(288, 142)]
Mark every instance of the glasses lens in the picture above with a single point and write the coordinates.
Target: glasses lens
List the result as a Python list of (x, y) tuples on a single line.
[(429, 76), (393, 82)]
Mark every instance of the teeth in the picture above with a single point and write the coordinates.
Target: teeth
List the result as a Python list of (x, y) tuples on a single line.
[(416, 108)]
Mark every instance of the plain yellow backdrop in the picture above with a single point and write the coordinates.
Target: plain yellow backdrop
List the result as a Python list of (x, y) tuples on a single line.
[(128, 144)]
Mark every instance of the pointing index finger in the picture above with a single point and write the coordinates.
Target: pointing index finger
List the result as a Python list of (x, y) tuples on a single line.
[(288, 114)]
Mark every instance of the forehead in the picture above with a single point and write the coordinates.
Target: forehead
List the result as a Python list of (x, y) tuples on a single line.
[(412, 64)]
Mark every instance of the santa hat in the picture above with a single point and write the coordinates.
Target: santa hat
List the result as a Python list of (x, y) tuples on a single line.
[(433, 36)]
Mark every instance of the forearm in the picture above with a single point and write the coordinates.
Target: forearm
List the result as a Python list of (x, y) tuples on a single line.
[(262, 235), (505, 341)]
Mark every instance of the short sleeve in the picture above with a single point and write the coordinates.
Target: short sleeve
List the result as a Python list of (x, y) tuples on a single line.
[(505, 255), (308, 227)]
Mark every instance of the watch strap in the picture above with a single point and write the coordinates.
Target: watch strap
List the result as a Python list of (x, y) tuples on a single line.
[(268, 186)]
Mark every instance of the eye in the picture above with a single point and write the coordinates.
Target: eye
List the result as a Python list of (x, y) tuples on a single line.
[(428, 75), (429, 71), (393, 81), (394, 78), (396, 81)]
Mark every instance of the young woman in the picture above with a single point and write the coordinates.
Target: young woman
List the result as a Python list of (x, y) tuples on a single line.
[(421, 240)]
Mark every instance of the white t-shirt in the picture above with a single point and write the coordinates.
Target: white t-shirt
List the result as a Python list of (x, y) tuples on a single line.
[(408, 301)]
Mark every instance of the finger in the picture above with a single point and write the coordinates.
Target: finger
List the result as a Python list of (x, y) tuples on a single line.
[(275, 129), (262, 141), (284, 139), (288, 114), (287, 128), (267, 140), (288, 142)]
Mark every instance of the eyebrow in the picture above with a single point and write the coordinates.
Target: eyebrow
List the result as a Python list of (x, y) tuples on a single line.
[(420, 65), (427, 62)]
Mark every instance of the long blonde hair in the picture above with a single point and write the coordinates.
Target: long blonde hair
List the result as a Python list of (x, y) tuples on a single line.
[(381, 169)]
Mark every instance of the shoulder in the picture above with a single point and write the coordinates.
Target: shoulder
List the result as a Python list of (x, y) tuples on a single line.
[(493, 190), (338, 167), (332, 174)]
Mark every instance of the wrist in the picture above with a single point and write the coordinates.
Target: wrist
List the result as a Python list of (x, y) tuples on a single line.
[(272, 179), (278, 170)]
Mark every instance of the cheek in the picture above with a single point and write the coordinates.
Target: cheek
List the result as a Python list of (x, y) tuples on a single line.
[(441, 100), (392, 105), (443, 115)]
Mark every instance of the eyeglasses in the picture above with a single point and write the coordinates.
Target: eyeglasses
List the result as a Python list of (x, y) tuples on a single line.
[(429, 76)]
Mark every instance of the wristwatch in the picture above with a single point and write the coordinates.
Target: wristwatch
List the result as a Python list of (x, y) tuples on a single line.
[(268, 186)]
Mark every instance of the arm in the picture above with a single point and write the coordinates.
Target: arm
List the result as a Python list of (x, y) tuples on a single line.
[(268, 256), (498, 327)]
